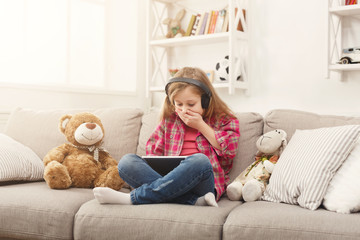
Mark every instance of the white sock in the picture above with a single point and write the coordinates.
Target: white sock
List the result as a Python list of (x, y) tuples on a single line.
[(108, 195), (207, 200)]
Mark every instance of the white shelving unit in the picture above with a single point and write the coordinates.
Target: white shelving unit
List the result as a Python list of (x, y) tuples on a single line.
[(337, 12), (160, 51)]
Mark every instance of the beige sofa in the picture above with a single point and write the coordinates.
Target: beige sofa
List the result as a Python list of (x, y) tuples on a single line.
[(30, 210)]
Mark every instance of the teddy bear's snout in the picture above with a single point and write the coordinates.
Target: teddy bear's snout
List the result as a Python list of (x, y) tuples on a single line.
[(90, 126)]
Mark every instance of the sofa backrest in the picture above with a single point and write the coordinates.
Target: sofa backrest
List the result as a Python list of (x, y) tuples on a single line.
[(39, 129), (251, 127), (148, 124), (290, 120)]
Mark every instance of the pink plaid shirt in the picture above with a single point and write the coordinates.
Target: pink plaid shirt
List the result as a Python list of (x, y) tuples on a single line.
[(168, 138)]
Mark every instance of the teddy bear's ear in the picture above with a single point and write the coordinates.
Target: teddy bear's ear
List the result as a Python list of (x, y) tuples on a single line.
[(283, 140), (63, 122), (180, 14), (284, 136)]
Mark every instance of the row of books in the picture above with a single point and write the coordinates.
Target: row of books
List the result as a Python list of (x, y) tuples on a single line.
[(350, 2), (210, 22)]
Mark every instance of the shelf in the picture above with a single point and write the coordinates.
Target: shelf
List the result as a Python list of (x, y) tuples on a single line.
[(221, 85), (349, 10), (344, 67), (336, 35), (161, 51), (238, 85), (168, 1), (196, 40), (216, 85)]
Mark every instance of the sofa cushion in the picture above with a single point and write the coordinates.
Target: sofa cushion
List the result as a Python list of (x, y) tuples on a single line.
[(18, 162), (34, 211), (157, 221), (39, 129), (266, 220), (251, 126), (290, 120)]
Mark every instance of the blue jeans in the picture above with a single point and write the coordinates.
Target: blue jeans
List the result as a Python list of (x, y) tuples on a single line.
[(190, 180)]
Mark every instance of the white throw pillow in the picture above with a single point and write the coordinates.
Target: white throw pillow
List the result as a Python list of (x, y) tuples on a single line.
[(18, 162), (308, 163), (343, 193)]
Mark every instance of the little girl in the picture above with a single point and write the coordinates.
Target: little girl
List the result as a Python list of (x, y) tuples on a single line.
[(195, 123)]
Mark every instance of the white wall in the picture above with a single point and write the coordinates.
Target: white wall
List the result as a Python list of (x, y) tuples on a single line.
[(288, 67), (122, 50), (288, 62)]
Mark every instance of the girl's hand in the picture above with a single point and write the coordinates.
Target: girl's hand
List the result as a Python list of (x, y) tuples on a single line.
[(195, 120), (191, 118), (188, 107)]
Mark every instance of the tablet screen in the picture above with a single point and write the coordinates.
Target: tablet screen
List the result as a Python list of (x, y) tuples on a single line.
[(163, 164)]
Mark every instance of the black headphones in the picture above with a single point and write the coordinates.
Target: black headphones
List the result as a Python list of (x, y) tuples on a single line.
[(205, 98)]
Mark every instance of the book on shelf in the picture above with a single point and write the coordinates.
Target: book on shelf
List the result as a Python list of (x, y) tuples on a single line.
[(200, 24), (203, 24), (225, 26), (240, 26), (220, 21), (196, 23), (213, 22), (190, 26), (350, 2), (206, 30)]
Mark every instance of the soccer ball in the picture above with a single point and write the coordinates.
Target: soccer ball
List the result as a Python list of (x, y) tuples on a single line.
[(222, 69)]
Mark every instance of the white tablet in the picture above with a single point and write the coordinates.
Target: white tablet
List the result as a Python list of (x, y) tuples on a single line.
[(163, 164)]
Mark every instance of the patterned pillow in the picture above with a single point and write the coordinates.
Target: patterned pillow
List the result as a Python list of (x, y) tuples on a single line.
[(18, 162), (308, 163)]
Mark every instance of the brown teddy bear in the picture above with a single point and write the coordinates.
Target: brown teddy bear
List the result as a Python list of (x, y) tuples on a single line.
[(81, 162)]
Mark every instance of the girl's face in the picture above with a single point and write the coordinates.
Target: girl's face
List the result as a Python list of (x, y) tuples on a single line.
[(187, 99)]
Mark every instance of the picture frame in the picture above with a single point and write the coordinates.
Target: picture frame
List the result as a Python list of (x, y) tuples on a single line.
[(210, 75)]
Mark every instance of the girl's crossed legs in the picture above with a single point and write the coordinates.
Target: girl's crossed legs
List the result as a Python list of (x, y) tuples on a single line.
[(192, 182)]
